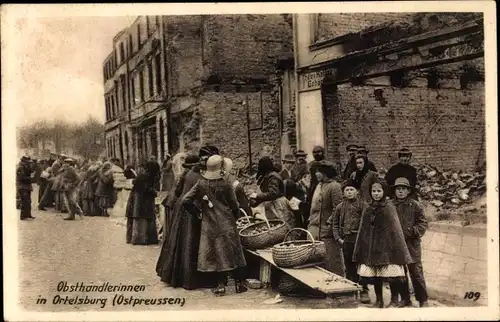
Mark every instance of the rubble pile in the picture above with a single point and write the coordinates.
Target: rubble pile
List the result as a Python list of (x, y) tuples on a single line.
[(450, 189)]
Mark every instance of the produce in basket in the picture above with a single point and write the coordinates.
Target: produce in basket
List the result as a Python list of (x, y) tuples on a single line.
[(261, 235)]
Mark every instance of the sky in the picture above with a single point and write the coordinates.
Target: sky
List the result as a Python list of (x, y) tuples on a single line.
[(60, 66)]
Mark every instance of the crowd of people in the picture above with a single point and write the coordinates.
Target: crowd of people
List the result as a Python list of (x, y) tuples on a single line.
[(371, 225)]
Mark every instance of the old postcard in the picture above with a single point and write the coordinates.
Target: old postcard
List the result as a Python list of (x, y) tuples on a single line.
[(250, 161)]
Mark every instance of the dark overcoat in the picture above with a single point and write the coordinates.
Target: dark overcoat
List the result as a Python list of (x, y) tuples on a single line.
[(380, 239), (414, 224), (141, 202)]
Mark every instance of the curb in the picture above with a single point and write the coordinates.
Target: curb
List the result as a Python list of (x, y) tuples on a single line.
[(457, 229)]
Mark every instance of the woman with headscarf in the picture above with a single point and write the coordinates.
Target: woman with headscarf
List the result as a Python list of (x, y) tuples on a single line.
[(272, 194), (220, 250), (104, 191), (167, 174), (88, 189), (140, 212), (177, 264), (363, 177)]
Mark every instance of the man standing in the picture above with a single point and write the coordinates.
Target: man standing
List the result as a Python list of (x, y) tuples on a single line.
[(288, 162), (403, 169), (24, 179), (364, 151), (69, 184), (351, 164), (300, 168)]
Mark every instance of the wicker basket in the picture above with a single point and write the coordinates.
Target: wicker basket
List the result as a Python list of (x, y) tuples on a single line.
[(298, 252), (266, 238), (243, 222)]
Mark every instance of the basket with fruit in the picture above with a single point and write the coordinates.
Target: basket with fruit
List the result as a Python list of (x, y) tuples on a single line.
[(298, 252), (245, 221), (263, 234)]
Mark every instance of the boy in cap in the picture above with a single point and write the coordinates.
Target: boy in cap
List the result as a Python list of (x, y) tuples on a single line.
[(300, 168), (364, 151), (345, 223), (414, 224), (402, 169), (351, 164)]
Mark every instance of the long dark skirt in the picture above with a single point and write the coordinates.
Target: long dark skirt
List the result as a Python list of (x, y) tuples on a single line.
[(141, 231), (177, 264), (167, 224)]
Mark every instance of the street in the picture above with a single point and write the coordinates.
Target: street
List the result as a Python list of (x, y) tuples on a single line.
[(92, 250)]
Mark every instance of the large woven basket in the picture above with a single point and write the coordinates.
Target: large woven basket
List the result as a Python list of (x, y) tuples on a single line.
[(244, 221), (298, 252), (275, 232)]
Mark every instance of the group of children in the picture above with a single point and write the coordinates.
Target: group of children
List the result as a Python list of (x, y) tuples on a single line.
[(381, 240)]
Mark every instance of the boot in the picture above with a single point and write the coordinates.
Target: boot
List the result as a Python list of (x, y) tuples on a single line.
[(379, 303), (240, 287), (405, 295), (394, 295)]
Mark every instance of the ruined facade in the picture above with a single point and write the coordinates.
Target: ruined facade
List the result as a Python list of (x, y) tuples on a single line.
[(387, 80), (189, 80)]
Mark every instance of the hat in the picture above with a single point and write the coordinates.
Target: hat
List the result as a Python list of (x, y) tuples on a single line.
[(318, 148), (401, 182), (362, 148), (25, 158), (288, 158), (327, 167), (348, 183), (190, 161), (68, 160), (359, 155), (215, 168), (208, 150), (351, 146), (300, 153), (404, 151)]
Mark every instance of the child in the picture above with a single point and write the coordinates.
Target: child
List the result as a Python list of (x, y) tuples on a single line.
[(380, 249), (345, 223), (414, 224)]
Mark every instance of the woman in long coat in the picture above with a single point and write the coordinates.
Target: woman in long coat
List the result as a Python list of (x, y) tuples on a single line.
[(104, 191), (326, 197), (178, 259), (220, 249), (380, 250), (88, 187), (140, 212)]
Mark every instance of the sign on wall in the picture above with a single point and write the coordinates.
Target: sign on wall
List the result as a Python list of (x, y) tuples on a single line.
[(314, 79)]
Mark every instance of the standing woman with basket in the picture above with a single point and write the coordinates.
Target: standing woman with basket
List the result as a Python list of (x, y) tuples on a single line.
[(220, 249), (380, 251)]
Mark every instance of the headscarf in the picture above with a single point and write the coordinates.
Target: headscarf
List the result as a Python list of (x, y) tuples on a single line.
[(360, 174), (208, 151), (265, 166), (379, 203)]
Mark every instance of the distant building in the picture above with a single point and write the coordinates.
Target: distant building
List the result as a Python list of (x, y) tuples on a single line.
[(173, 83)]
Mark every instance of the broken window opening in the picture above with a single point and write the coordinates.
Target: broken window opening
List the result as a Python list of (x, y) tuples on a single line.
[(399, 79), (433, 80)]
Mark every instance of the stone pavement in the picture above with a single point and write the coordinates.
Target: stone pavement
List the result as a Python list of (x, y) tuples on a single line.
[(93, 250)]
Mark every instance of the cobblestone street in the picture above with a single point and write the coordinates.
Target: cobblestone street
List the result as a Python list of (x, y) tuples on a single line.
[(93, 251)]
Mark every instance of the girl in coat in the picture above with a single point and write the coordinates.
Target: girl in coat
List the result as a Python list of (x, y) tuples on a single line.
[(363, 178), (380, 250), (140, 212), (220, 249)]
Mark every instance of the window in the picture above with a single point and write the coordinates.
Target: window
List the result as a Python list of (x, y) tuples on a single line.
[(141, 85), (150, 78), (112, 107), (130, 45), (132, 86), (122, 53), (157, 21), (158, 73), (138, 36), (124, 97), (147, 26)]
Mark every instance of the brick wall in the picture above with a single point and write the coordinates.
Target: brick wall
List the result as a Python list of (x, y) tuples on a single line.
[(223, 123), (245, 46), (443, 127)]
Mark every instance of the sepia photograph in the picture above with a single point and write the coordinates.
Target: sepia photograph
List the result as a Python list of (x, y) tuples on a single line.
[(256, 161)]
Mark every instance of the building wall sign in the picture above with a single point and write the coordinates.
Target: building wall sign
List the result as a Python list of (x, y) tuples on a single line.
[(313, 80)]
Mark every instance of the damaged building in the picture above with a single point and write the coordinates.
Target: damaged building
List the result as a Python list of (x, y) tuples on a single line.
[(387, 80), (173, 83)]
